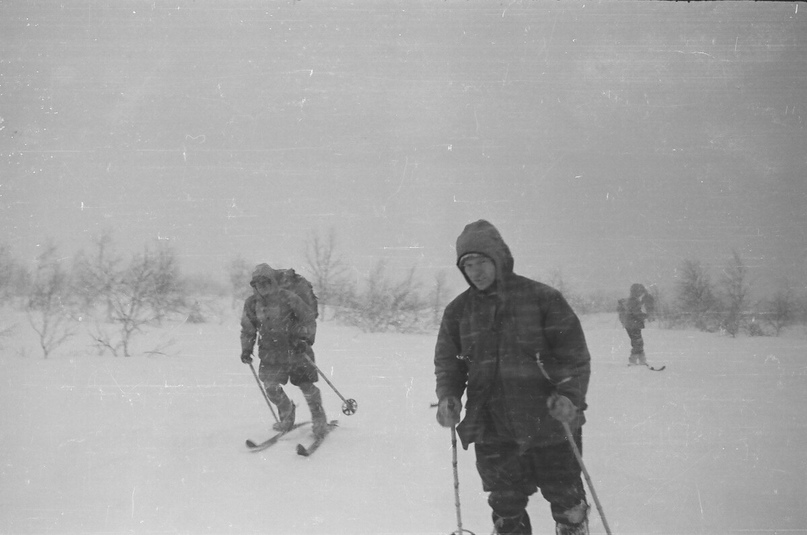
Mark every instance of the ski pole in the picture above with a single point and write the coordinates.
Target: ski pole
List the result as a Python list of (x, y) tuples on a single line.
[(266, 397), (349, 406), (578, 455), (459, 531)]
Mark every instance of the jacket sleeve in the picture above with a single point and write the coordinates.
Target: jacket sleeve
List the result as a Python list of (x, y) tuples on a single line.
[(451, 372), (249, 327), (568, 361)]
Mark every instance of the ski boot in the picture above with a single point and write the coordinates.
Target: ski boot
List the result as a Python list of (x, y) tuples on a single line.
[(512, 525), (569, 529), (637, 359), (319, 422), (286, 418), (575, 521)]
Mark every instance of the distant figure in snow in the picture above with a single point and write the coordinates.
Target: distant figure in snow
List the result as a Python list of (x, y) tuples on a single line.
[(493, 339), (286, 324), (633, 312)]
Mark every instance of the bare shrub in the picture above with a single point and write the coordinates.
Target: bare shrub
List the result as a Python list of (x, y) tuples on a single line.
[(14, 278), (781, 310), (207, 298), (5, 332), (385, 305), (438, 297), (327, 269), (140, 295), (754, 328), (48, 308), (195, 314), (239, 272), (669, 315), (733, 282), (167, 293), (696, 299), (95, 276)]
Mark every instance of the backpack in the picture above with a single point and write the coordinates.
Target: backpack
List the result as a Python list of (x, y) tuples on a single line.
[(622, 311), (298, 284)]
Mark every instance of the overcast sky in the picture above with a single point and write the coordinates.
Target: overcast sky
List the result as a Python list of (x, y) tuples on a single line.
[(608, 141)]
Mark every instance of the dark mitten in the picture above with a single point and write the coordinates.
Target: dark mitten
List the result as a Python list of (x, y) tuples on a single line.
[(448, 411), (561, 408)]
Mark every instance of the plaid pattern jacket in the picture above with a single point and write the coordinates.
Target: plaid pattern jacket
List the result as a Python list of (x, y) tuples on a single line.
[(488, 347)]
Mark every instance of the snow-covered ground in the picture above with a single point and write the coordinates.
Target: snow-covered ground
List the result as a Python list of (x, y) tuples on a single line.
[(155, 444)]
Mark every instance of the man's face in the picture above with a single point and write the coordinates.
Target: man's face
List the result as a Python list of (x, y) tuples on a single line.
[(265, 286), (481, 271)]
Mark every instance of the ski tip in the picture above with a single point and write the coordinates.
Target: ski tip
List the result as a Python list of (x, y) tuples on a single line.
[(649, 367), (250, 444), (301, 450)]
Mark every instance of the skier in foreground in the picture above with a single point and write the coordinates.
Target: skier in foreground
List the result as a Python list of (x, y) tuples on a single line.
[(488, 345), (633, 312), (286, 324)]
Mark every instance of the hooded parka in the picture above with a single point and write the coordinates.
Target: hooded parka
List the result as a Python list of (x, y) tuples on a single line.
[(638, 307), (489, 345)]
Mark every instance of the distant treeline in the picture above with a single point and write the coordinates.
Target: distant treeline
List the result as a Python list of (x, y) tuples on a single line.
[(118, 297)]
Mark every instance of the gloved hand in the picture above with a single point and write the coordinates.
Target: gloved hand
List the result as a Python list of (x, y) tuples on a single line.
[(299, 345), (448, 411), (561, 408), (246, 357)]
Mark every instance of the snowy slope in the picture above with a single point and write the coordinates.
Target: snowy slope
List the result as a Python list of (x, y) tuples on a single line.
[(91, 444)]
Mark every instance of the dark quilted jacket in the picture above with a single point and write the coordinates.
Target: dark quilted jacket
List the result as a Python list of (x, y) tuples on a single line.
[(488, 346)]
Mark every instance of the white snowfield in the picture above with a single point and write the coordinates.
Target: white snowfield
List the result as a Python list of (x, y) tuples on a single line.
[(155, 444)]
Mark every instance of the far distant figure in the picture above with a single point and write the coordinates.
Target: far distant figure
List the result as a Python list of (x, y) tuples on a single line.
[(633, 312)]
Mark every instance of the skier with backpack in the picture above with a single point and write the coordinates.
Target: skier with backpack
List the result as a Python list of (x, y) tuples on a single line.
[(633, 312), (281, 315)]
